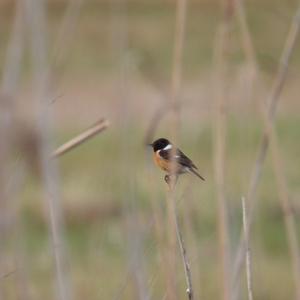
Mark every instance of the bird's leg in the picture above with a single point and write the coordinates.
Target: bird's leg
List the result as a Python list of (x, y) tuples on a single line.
[(167, 178), (170, 181)]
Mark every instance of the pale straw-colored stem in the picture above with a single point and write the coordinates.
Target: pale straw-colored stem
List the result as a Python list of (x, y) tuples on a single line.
[(248, 252), (37, 28), (97, 128)]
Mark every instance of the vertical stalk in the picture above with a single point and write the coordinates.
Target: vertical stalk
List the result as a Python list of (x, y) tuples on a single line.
[(220, 118), (176, 83), (9, 84), (248, 253), (36, 18)]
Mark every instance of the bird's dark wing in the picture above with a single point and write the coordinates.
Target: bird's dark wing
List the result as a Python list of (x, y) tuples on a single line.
[(184, 160), (180, 157)]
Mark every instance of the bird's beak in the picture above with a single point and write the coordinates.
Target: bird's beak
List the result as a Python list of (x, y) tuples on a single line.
[(150, 145)]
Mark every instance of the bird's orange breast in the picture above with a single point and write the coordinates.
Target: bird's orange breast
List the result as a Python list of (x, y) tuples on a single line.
[(160, 162)]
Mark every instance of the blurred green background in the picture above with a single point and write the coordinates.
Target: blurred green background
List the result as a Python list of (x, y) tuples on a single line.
[(118, 65)]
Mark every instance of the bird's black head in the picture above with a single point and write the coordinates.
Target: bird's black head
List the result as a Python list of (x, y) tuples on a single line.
[(160, 144)]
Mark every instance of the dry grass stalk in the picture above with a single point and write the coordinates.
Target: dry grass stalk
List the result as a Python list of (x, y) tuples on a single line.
[(251, 58), (176, 83), (36, 18), (219, 155), (67, 26), (163, 253), (187, 268), (171, 261), (191, 235), (245, 33), (271, 109), (64, 38), (248, 48), (173, 99), (178, 51), (248, 253), (9, 188), (97, 128), (286, 207)]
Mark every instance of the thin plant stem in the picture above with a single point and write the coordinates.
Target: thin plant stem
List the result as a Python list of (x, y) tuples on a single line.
[(65, 34), (286, 207), (8, 196), (176, 81), (175, 92), (173, 98), (159, 226), (97, 128), (245, 33), (220, 153), (183, 252), (248, 252), (36, 18)]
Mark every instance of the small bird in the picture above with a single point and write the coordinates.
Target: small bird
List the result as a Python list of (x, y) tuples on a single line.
[(163, 152)]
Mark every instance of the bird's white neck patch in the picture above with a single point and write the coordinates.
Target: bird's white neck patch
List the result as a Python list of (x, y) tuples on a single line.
[(168, 147)]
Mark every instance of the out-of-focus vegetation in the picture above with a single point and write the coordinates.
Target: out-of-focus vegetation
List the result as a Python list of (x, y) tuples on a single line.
[(96, 189)]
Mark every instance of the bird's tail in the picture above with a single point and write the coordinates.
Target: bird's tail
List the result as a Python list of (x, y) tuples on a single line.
[(196, 173)]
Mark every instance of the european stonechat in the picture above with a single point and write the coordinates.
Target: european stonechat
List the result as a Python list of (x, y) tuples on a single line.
[(163, 152)]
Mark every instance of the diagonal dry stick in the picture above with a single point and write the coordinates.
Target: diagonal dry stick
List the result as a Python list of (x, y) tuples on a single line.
[(271, 109), (97, 128), (286, 207)]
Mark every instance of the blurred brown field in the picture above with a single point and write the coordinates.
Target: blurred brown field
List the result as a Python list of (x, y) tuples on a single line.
[(96, 222)]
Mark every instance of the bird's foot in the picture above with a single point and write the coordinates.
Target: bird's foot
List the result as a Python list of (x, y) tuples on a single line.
[(167, 179), (171, 180)]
